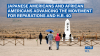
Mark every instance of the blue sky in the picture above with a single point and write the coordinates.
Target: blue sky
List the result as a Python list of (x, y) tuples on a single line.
[(58, 1)]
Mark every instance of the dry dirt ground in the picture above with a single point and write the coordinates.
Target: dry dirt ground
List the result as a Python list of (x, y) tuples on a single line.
[(26, 26), (31, 49)]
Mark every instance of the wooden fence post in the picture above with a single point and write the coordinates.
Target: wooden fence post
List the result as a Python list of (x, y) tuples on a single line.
[(91, 42), (80, 42), (15, 41), (3, 40), (23, 41), (78, 39), (83, 36), (30, 36), (37, 41), (96, 36)]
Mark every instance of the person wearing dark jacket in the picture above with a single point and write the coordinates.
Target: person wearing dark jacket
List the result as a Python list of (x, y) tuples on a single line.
[(46, 39), (70, 38), (40, 37), (64, 36), (60, 35)]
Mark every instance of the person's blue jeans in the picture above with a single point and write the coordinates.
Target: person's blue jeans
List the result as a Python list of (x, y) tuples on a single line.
[(57, 44), (47, 41)]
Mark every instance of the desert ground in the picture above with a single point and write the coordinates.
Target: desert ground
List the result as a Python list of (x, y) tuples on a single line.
[(33, 26), (31, 49), (25, 26)]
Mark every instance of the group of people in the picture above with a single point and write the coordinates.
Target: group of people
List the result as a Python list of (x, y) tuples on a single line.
[(49, 39)]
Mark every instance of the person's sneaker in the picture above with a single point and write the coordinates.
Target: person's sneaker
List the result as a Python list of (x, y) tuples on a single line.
[(56, 49), (49, 48)]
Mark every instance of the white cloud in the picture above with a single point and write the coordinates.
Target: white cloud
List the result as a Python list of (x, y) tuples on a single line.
[(58, 1)]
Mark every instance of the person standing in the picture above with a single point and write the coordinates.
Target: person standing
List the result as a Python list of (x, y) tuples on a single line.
[(40, 37), (70, 38), (60, 35), (64, 37), (50, 38), (46, 39), (57, 39)]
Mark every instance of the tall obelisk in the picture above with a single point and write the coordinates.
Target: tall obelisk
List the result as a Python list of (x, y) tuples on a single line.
[(67, 30)]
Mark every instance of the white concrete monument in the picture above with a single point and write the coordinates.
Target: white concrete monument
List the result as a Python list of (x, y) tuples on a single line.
[(67, 30)]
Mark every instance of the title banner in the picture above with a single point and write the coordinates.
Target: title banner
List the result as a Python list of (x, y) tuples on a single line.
[(45, 5), (45, 10)]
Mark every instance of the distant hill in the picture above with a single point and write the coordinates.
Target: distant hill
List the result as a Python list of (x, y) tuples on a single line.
[(95, 4)]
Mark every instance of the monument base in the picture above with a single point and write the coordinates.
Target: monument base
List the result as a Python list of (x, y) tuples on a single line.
[(67, 39)]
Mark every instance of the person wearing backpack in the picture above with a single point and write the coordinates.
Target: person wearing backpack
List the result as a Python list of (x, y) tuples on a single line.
[(46, 39)]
